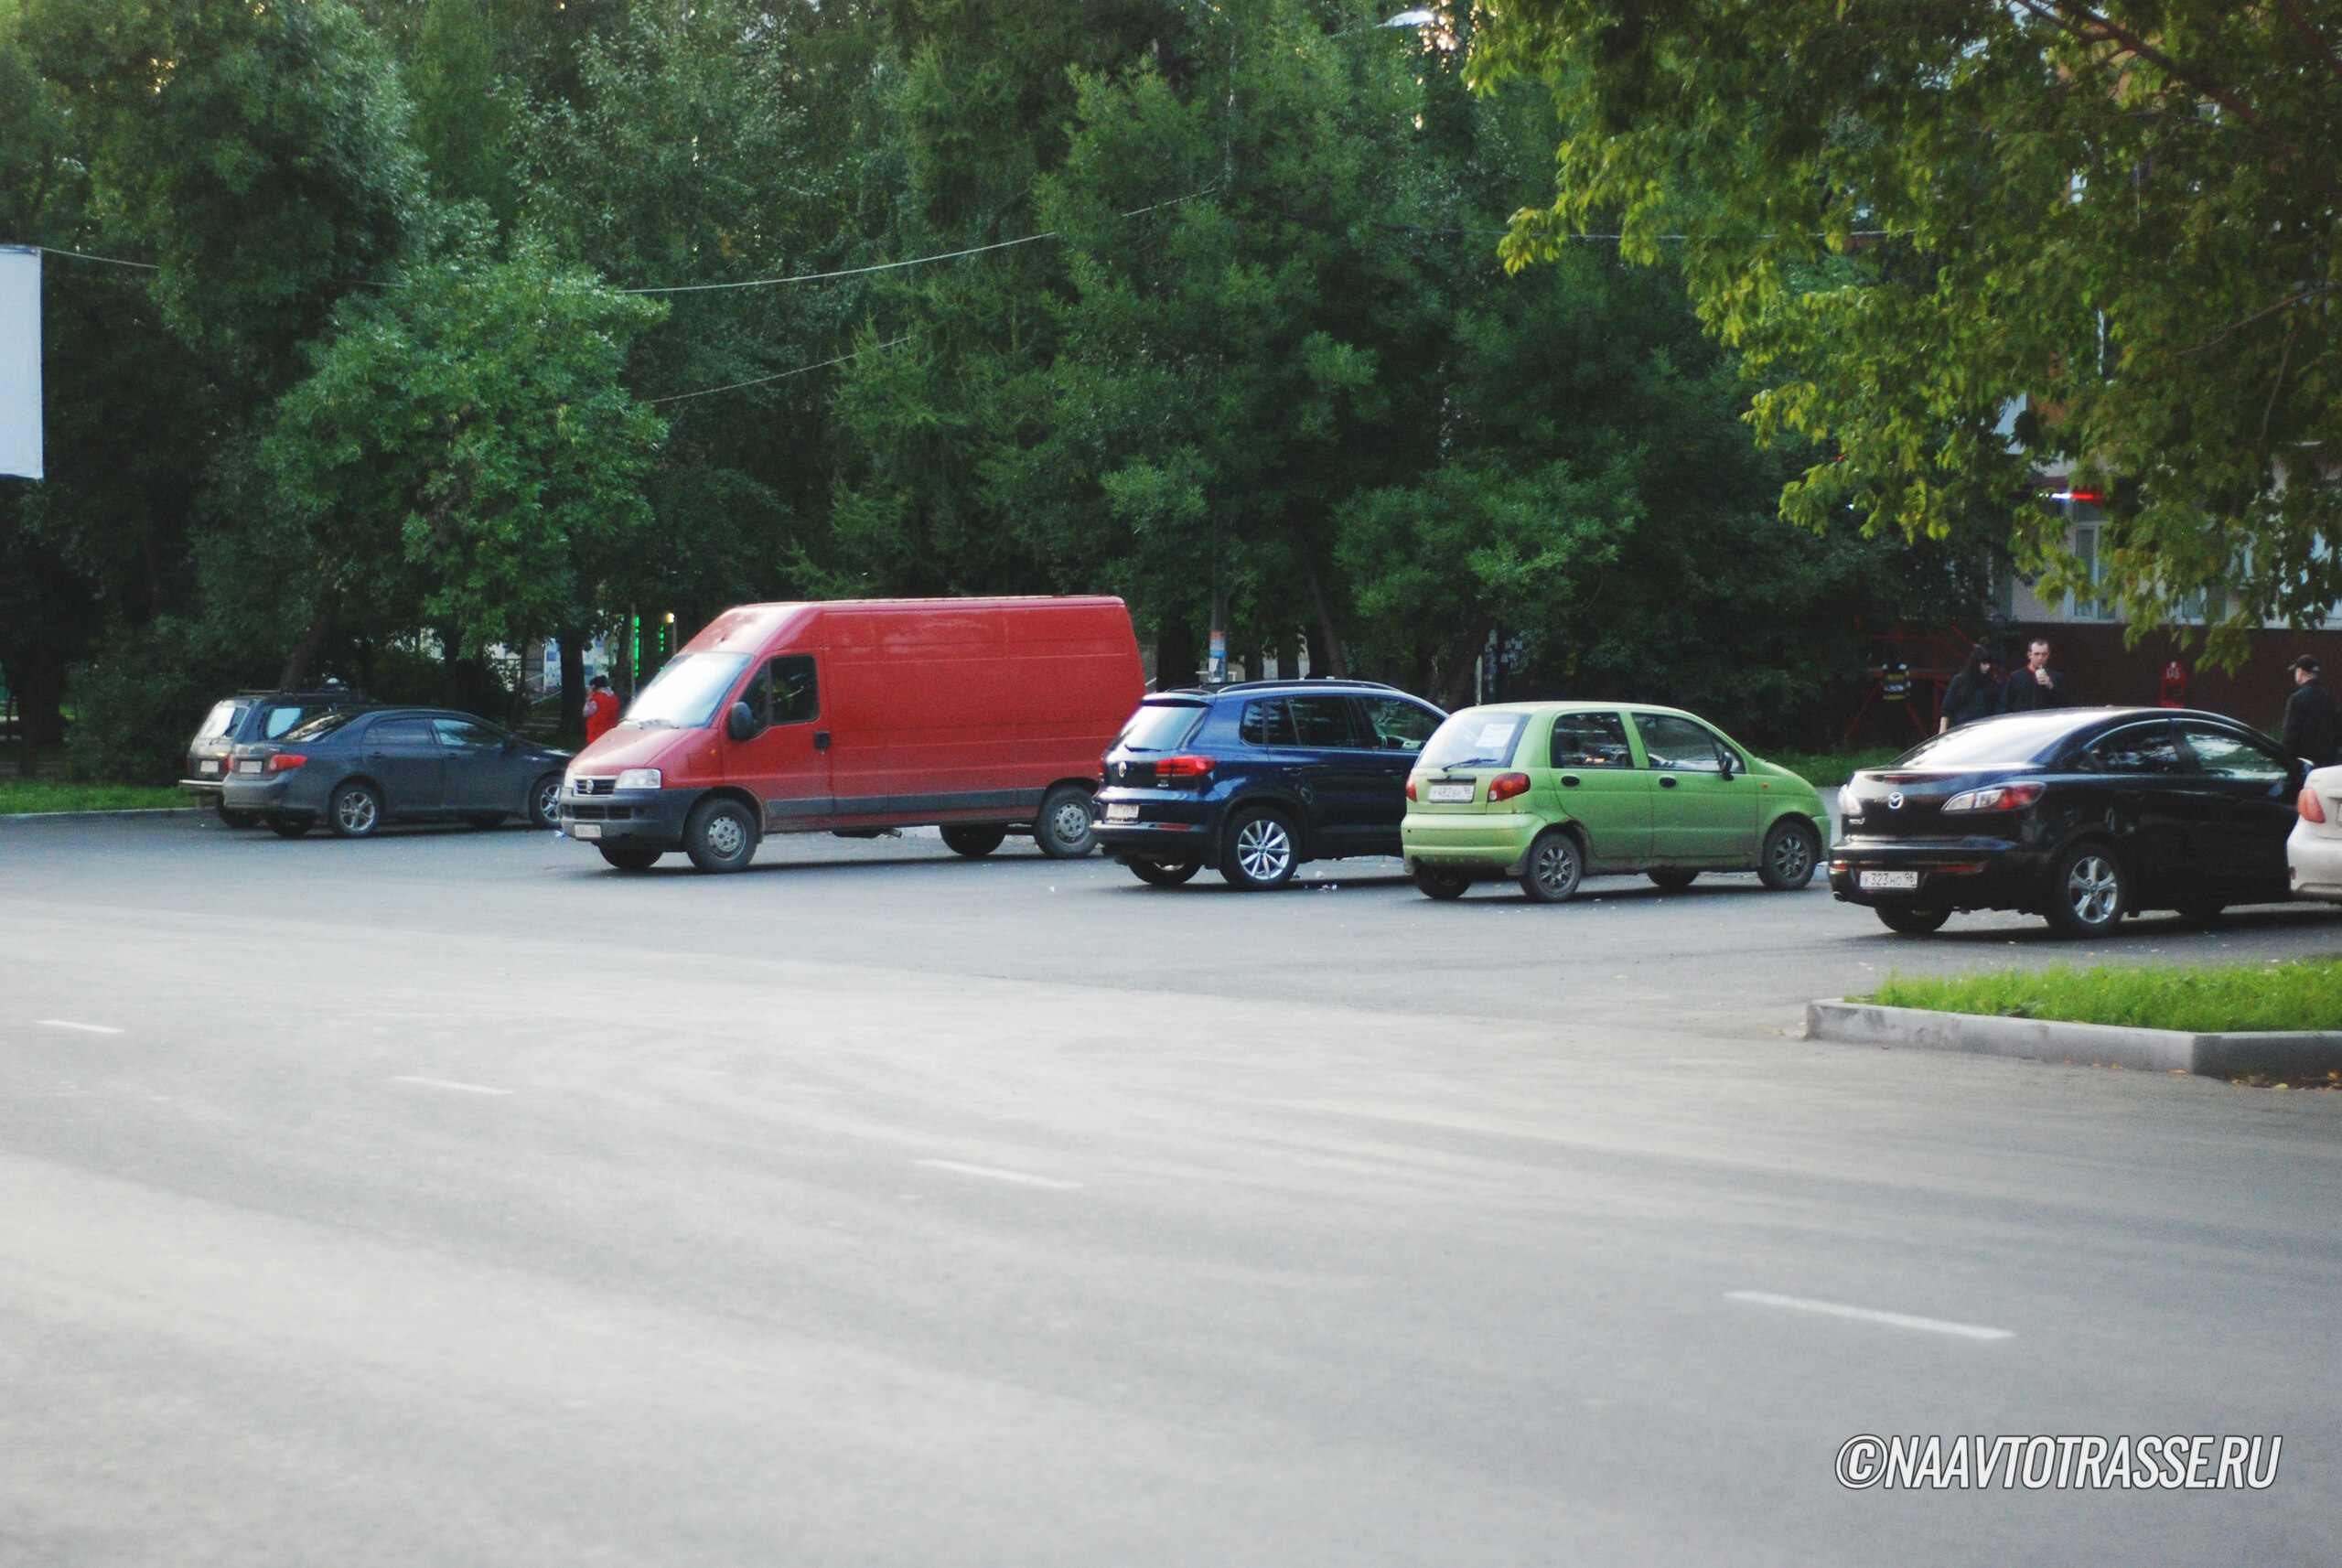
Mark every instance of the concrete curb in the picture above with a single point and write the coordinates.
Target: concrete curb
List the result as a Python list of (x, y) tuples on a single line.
[(8, 817), (2277, 1055)]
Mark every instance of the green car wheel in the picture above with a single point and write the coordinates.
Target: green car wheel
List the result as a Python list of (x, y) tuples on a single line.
[(1550, 872)]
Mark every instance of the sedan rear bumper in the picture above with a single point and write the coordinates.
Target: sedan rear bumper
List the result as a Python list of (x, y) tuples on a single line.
[(2314, 862), (1951, 874)]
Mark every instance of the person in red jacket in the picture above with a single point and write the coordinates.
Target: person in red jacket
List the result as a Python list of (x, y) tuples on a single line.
[(601, 709)]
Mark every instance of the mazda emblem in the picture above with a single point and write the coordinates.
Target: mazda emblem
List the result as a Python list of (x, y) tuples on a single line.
[(1895, 801)]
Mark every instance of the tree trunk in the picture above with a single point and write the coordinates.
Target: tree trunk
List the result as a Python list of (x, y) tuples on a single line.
[(1456, 663), (37, 678), (451, 675), (313, 638), (1328, 654), (572, 680), (1175, 652)]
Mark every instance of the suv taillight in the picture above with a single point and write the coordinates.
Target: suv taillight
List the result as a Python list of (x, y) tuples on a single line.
[(1505, 786), (1178, 769)]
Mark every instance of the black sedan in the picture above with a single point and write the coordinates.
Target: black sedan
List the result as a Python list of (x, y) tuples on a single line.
[(355, 772), (2081, 816)]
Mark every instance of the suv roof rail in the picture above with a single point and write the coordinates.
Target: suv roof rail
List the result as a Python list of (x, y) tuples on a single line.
[(1303, 683)]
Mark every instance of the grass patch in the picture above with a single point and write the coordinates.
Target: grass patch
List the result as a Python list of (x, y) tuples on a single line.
[(20, 796), (1828, 770), (2303, 996)]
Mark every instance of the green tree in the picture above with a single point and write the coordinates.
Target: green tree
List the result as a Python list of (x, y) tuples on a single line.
[(468, 433), (1909, 217)]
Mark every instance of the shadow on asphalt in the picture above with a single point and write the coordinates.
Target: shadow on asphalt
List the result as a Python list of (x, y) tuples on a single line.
[(2158, 927)]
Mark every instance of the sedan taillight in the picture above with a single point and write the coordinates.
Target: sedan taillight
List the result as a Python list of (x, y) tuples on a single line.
[(2001, 798), (285, 761), (1505, 786), (2311, 808)]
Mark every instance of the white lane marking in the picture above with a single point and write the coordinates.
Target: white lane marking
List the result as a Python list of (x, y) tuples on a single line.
[(1870, 1315), (450, 1083), (998, 1175), (86, 1028)]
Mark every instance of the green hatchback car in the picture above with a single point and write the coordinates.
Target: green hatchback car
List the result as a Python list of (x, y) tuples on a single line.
[(1556, 791)]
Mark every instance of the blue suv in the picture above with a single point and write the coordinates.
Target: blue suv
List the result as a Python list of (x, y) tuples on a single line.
[(1253, 779)]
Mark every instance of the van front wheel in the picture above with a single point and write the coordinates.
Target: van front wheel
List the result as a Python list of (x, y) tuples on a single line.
[(1062, 828), (720, 836)]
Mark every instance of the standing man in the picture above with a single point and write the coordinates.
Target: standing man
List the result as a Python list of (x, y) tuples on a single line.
[(601, 709), (1976, 692), (2313, 719), (2036, 685)]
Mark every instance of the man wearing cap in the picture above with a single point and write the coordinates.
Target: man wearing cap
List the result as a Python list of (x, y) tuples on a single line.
[(2313, 719)]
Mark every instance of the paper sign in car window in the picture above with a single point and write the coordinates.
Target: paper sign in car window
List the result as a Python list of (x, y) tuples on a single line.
[(1497, 734)]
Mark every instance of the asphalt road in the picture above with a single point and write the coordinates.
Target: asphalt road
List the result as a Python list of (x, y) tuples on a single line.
[(449, 1199)]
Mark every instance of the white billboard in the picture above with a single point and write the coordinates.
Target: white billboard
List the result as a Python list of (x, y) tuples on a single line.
[(20, 447)]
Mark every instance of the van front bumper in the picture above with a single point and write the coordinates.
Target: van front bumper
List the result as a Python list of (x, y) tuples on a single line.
[(1460, 841), (644, 819)]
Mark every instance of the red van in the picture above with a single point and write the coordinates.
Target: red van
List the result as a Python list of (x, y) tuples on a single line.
[(982, 716)]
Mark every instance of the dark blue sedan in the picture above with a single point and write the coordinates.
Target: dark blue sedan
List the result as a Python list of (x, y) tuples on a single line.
[(356, 771)]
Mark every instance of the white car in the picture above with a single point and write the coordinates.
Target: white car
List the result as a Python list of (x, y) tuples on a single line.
[(2314, 849)]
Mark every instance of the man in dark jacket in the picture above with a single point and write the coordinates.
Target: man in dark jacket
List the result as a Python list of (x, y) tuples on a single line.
[(1976, 692), (2036, 685), (2313, 719)]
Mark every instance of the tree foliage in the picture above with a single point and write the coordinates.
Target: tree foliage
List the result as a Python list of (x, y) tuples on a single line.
[(1911, 219)]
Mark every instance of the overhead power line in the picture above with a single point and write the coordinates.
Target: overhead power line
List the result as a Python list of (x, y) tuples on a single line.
[(783, 375), (85, 256), (909, 261)]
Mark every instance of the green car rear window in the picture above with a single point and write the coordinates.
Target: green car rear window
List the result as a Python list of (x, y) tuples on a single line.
[(1475, 739)]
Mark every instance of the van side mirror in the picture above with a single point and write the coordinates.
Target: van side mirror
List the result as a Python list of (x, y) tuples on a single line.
[(740, 724)]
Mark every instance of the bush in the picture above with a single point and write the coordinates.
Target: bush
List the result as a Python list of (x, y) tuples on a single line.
[(136, 703)]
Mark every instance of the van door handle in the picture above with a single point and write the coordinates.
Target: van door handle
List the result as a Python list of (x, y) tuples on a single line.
[(821, 740), (1667, 782), (1569, 781)]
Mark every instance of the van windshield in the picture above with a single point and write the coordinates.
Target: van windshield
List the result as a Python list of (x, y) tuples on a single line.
[(684, 695)]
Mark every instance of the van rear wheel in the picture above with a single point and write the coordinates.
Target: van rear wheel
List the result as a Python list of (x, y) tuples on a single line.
[(1061, 830), (974, 840)]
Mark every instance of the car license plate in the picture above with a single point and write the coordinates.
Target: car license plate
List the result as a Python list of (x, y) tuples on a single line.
[(585, 831), (1890, 881), (212, 766), (1121, 813), (253, 766), (1444, 794)]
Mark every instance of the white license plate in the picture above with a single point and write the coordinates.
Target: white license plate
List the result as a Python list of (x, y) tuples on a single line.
[(248, 766), (585, 831), (1445, 794), (207, 766), (1121, 813), (1890, 881)]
